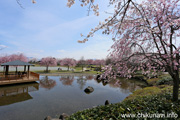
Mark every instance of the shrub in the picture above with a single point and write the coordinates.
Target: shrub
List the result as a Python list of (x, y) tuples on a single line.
[(152, 81), (165, 80), (97, 69)]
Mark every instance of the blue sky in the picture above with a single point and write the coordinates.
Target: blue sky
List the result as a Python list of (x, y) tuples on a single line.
[(50, 28)]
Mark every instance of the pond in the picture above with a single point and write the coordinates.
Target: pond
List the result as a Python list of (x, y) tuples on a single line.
[(54, 95)]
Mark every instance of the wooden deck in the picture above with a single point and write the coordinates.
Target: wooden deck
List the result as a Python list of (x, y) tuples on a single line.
[(13, 78)]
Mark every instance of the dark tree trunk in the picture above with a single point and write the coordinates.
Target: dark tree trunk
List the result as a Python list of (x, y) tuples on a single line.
[(175, 87), (68, 68), (16, 69), (46, 68), (175, 76), (82, 68)]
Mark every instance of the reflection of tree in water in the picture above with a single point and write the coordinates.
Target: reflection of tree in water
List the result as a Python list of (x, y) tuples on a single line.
[(89, 77), (124, 84), (47, 83), (113, 84), (130, 85), (67, 80), (136, 85), (81, 81)]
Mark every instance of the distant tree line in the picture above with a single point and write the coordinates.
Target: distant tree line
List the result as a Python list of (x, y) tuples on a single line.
[(52, 61)]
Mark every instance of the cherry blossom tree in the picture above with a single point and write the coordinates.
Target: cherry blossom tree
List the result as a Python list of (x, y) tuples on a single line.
[(4, 59), (68, 62), (145, 37), (99, 62), (48, 61), (9, 58), (58, 61), (18, 57), (33, 60), (108, 61), (90, 62), (13, 57), (82, 63)]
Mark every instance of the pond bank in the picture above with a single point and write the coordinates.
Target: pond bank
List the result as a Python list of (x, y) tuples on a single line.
[(65, 74)]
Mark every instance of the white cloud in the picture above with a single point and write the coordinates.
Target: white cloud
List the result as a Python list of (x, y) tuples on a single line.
[(61, 51), (3, 46)]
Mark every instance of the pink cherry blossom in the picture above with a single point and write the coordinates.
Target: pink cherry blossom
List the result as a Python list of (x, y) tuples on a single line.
[(68, 62), (48, 61)]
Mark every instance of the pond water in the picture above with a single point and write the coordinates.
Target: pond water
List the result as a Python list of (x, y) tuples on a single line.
[(54, 95)]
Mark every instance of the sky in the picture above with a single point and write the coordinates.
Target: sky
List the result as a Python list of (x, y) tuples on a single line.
[(50, 28)]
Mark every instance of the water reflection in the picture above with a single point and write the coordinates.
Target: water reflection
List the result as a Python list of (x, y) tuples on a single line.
[(47, 83), (131, 85), (67, 80), (66, 96), (17, 93), (89, 77), (81, 80), (124, 84)]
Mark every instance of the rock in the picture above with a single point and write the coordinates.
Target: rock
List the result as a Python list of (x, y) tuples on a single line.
[(104, 82), (97, 77), (63, 116), (106, 102), (48, 118), (89, 89), (98, 80)]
